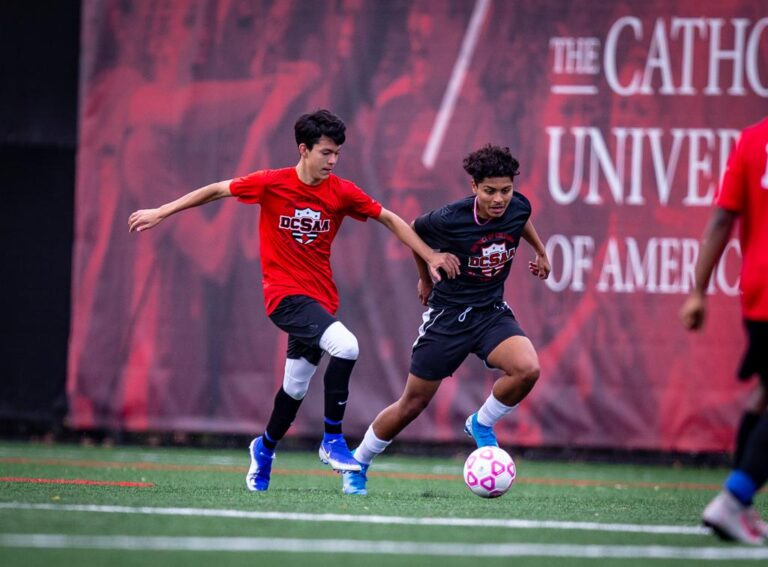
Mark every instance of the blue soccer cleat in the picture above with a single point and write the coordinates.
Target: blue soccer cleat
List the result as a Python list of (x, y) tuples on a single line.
[(353, 482), (257, 478), (334, 452), (482, 434)]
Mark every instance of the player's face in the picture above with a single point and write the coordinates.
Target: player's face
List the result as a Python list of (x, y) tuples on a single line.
[(493, 196), (321, 159)]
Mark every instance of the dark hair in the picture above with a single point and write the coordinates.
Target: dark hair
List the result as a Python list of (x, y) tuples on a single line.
[(491, 161), (309, 128)]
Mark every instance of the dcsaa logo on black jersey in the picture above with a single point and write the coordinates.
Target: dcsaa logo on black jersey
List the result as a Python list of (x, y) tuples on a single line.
[(492, 260), (305, 224)]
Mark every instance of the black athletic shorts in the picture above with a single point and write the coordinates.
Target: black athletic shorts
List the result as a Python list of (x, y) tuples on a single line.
[(756, 356), (305, 321), (448, 336)]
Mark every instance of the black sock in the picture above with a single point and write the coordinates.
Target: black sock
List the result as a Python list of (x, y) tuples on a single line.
[(755, 460), (283, 414), (746, 426), (336, 392)]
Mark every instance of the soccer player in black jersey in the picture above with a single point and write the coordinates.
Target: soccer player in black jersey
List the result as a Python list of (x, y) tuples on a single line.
[(467, 314)]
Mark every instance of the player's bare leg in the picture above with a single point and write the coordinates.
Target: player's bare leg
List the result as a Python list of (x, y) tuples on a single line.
[(517, 358), (390, 421), (396, 417)]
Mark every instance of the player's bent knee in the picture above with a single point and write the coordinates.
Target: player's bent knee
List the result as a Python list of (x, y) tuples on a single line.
[(297, 389), (298, 373), (338, 341), (532, 376), (527, 374)]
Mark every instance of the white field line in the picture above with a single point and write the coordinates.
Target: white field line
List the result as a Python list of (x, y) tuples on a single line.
[(454, 84), (251, 544), (363, 519)]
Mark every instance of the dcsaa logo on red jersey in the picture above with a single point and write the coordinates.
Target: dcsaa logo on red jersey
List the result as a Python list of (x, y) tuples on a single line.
[(493, 259), (305, 225)]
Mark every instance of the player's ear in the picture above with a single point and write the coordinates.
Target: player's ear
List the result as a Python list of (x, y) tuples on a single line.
[(474, 187), (303, 151)]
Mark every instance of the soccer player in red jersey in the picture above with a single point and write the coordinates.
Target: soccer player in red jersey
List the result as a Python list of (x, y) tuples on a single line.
[(743, 195), (468, 314), (302, 208)]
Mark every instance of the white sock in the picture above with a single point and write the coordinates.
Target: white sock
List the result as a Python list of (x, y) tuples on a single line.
[(492, 411), (369, 447)]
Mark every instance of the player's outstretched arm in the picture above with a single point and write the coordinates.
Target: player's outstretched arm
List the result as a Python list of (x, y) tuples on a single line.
[(144, 219), (713, 243), (436, 260), (540, 266)]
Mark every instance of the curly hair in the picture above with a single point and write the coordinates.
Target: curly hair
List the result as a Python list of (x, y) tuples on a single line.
[(491, 161), (309, 128)]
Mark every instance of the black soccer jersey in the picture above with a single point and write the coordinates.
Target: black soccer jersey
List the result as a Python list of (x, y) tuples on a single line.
[(485, 250)]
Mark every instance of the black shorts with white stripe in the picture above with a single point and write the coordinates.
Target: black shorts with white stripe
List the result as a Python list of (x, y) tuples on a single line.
[(447, 336)]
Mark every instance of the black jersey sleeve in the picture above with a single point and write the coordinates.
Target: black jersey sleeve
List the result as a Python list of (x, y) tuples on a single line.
[(431, 228)]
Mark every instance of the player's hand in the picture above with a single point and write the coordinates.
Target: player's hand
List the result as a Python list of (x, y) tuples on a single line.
[(540, 267), (694, 311), (444, 261), (424, 289), (143, 219)]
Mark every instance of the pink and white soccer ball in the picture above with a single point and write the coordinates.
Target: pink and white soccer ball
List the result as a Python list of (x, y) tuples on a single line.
[(489, 472)]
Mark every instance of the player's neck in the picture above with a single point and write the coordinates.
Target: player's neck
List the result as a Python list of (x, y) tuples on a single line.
[(479, 220), (304, 176)]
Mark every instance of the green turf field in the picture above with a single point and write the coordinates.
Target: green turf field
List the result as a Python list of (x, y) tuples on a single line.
[(88, 506)]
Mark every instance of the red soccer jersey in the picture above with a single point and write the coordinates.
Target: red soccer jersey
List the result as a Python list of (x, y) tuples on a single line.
[(745, 191), (298, 222)]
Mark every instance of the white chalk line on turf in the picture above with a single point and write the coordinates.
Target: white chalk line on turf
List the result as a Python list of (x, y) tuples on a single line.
[(368, 547), (363, 519)]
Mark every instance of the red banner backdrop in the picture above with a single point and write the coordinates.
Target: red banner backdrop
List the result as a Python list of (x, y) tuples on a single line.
[(622, 115)]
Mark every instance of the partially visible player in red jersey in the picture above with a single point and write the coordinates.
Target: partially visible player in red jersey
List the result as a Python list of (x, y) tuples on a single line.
[(302, 208), (743, 195)]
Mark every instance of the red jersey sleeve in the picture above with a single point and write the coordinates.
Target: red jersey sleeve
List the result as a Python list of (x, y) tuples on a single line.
[(250, 188), (732, 193), (358, 204)]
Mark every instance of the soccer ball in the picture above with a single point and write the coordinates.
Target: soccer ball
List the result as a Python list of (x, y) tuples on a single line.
[(489, 472)]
